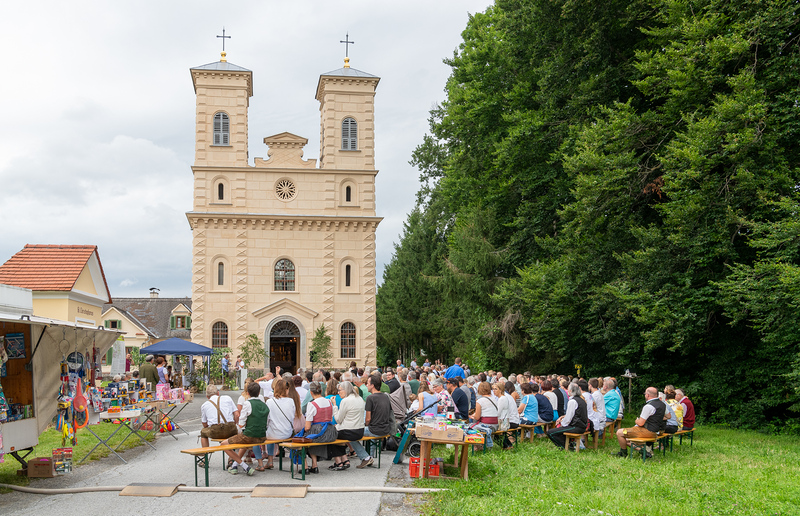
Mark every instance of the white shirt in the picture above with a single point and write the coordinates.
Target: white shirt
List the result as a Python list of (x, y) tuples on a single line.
[(302, 392), (601, 407), (513, 414), (242, 399), (209, 410), (594, 417), (266, 388), (247, 409), (280, 419)]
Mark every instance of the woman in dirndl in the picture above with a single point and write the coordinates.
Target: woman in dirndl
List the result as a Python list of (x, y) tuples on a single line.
[(320, 414)]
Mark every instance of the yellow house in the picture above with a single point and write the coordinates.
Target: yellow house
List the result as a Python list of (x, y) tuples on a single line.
[(67, 281)]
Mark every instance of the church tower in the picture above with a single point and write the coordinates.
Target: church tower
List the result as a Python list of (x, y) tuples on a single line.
[(284, 246)]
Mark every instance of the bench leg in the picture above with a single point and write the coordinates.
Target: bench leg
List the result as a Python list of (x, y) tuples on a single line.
[(378, 447)]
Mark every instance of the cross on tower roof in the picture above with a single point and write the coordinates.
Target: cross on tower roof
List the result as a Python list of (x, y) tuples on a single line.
[(224, 37), (347, 44)]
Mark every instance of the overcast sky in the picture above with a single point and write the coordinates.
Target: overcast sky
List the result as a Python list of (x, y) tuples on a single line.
[(98, 109)]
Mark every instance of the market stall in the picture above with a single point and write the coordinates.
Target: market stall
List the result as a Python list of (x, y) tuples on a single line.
[(43, 358)]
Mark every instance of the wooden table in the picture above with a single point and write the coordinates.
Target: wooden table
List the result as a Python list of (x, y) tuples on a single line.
[(460, 463)]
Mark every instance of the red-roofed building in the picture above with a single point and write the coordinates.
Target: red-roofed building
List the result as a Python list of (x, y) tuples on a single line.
[(67, 281)]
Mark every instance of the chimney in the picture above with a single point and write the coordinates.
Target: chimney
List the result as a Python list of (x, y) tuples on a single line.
[(154, 293)]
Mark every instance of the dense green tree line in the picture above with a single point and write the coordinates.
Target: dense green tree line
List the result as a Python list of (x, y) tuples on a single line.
[(614, 184)]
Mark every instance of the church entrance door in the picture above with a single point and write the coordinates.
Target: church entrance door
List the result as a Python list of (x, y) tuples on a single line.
[(284, 341)]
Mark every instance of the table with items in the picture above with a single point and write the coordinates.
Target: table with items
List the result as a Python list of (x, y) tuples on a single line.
[(448, 432), (126, 420)]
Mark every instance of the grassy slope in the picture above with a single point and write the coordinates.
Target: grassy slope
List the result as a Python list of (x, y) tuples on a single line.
[(725, 472), (51, 438)]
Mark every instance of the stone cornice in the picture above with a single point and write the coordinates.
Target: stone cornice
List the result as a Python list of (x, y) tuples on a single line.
[(326, 81), (280, 222), (283, 170), (197, 73)]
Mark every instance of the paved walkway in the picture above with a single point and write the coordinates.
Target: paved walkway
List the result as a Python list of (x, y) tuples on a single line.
[(167, 465)]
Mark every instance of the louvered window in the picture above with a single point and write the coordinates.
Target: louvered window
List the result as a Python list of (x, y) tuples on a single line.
[(349, 134), (348, 347), (221, 129)]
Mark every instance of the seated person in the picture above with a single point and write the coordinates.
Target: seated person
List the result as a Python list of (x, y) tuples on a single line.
[(528, 406), (252, 427), (669, 393), (688, 409), (611, 399), (576, 420), (670, 417), (545, 408), (649, 423)]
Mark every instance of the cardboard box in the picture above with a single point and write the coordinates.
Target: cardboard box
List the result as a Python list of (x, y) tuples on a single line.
[(41, 467), (451, 433)]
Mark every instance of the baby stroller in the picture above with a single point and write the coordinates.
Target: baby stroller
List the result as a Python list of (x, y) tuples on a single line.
[(406, 442)]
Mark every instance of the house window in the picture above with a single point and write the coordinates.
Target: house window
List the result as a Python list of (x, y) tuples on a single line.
[(349, 134), (348, 340), (219, 335), (221, 192), (113, 324), (180, 322), (347, 275), (284, 275), (221, 129), (348, 194), (220, 274)]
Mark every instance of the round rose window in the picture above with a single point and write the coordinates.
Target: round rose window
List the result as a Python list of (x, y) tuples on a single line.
[(285, 190)]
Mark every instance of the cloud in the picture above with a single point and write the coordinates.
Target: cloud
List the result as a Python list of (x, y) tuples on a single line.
[(127, 282)]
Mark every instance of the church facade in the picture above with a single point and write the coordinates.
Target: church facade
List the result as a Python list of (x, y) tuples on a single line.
[(285, 245)]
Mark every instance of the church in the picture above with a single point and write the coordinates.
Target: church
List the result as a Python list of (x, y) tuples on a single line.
[(287, 244)]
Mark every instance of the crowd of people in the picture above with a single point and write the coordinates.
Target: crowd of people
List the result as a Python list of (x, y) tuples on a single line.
[(324, 406)]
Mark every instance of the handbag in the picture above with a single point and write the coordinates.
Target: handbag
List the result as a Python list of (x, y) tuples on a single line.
[(220, 430)]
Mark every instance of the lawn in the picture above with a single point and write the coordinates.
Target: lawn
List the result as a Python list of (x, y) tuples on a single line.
[(725, 472), (51, 438)]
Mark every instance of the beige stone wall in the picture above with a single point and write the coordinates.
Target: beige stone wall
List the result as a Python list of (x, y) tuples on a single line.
[(342, 97), (227, 92), (252, 225)]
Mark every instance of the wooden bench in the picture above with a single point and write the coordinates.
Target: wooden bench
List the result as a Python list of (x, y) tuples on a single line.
[(610, 425), (531, 428), (202, 454), (302, 447), (570, 436), (689, 433), (515, 432), (644, 441)]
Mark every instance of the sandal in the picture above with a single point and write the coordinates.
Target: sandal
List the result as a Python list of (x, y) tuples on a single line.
[(352, 454), (333, 466), (345, 464), (257, 468), (230, 464), (269, 466), (201, 463), (340, 467)]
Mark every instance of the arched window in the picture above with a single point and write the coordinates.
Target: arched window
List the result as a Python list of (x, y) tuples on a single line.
[(348, 194), (284, 275), (347, 275), (220, 274), (219, 335), (221, 129), (348, 340), (349, 134), (221, 192)]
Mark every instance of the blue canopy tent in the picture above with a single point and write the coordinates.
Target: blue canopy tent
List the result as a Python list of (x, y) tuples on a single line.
[(176, 346)]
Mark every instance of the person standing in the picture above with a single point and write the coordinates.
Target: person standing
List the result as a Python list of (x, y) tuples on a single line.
[(226, 365), (148, 372), (455, 370)]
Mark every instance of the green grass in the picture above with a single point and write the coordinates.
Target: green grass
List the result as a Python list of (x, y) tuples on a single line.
[(725, 472), (51, 438)]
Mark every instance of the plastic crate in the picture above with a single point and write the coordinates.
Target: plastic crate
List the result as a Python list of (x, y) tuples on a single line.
[(413, 468)]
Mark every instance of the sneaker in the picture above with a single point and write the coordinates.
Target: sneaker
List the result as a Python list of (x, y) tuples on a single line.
[(366, 462), (233, 471), (250, 471)]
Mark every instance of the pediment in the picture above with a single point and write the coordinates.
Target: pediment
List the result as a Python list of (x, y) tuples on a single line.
[(284, 305), (285, 151)]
